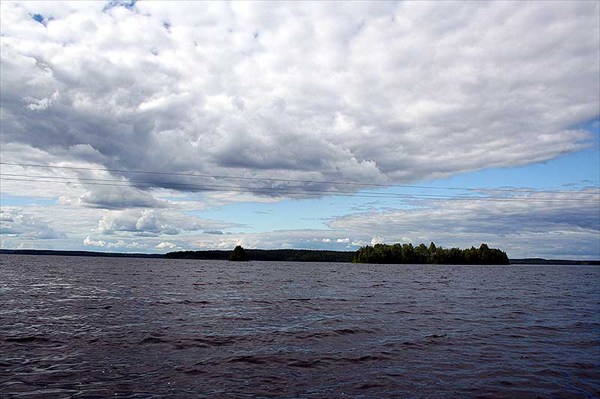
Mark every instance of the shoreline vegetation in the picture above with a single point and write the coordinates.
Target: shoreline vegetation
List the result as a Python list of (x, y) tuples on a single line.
[(421, 254), (281, 255)]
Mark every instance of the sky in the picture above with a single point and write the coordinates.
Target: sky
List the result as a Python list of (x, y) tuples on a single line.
[(159, 126)]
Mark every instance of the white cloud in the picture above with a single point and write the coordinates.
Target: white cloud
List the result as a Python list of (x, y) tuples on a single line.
[(19, 223), (118, 245), (122, 244), (543, 224), (377, 240), (119, 198), (378, 92), (551, 225), (155, 222), (88, 242), (166, 245)]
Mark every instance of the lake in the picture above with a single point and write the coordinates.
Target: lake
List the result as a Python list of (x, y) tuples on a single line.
[(143, 328)]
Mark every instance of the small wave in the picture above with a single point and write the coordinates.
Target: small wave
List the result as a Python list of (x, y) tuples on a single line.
[(181, 302), (306, 363), (346, 331), (239, 282), (251, 359), (27, 339), (333, 333), (262, 301), (369, 358), (216, 340), (541, 327), (409, 343), (436, 336), (585, 324), (403, 312), (506, 383), (583, 344), (359, 359), (581, 365), (106, 307), (238, 318), (369, 385), (183, 345), (550, 373), (190, 370), (190, 302), (517, 311), (153, 340)]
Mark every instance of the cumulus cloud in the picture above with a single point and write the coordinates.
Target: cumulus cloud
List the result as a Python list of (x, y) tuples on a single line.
[(119, 198), (119, 244), (166, 245), (155, 222), (543, 224), (18, 223), (369, 92), (88, 242), (552, 225), (68, 226), (144, 221)]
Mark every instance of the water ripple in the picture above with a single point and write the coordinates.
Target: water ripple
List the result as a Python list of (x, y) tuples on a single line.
[(150, 328)]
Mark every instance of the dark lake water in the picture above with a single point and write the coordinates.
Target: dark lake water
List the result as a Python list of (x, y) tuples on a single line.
[(99, 327)]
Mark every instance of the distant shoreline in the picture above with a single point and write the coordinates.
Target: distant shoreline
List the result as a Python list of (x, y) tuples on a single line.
[(266, 255), (95, 254)]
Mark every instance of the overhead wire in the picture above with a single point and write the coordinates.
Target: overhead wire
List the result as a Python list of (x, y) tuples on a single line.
[(273, 191), (269, 179)]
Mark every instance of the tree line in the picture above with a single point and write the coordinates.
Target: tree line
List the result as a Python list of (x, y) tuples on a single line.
[(281, 255), (407, 253), (379, 253)]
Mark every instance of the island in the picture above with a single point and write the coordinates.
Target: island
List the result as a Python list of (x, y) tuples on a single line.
[(421, 254), (379, 253)]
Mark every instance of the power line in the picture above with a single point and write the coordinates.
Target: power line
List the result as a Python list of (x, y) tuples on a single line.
[(265, 179), (167, 184), (290, 191), (217, 187)]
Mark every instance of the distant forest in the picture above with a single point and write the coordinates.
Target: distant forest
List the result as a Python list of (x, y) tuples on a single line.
[(282, 255), (379, 253), (371, 254), (407, 253)]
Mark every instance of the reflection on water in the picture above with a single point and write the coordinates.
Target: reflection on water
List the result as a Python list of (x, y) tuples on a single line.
[(143, 328)]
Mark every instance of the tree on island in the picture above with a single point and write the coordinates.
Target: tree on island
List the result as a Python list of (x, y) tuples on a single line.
[(238, 254), (407, 253)]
